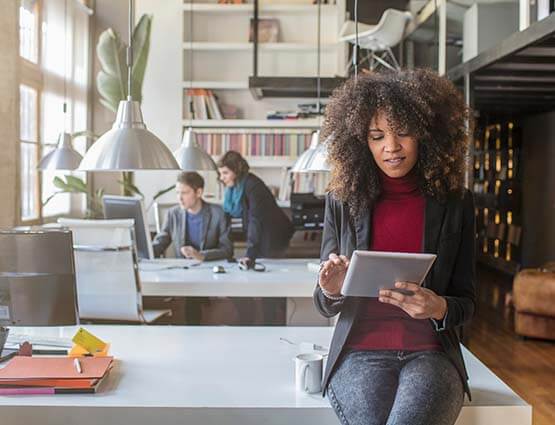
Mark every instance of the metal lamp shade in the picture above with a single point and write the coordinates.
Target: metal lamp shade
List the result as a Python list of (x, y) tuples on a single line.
[(319, 161), (314, 159), (64, 157), (302, 161), (128, 146), (191, 157)]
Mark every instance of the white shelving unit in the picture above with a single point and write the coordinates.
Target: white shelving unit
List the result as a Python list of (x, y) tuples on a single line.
[(214, 7), (222, 55), (254, 124), (222, 59)]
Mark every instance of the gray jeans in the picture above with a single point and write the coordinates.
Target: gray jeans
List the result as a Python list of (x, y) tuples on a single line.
[(396, 388)]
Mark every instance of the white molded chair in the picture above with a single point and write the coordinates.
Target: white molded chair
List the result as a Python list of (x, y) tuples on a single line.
[(108, 285), (378, 39), (160, 210)]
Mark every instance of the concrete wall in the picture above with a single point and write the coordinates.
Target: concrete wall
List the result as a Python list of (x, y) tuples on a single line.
[(538, 183), (9, 114)]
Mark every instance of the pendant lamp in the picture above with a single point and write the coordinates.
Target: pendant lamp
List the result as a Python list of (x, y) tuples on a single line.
[(128, 146)]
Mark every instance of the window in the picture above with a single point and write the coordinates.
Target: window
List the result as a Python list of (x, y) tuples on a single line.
[(55, 68), (28, 111), (28, 30)]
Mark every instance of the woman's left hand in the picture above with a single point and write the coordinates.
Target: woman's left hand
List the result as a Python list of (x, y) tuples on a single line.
[(423, 304)]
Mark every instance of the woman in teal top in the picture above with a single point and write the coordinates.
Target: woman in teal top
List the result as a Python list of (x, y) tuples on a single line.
[(267, 227)]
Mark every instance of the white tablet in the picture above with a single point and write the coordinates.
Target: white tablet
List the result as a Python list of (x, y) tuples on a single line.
[(370, 271)]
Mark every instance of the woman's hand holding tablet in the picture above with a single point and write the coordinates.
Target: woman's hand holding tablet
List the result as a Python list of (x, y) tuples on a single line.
[(332, 274), (422, 304)]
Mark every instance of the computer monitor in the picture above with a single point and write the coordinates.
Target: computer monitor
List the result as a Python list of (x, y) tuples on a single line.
[(37, 278), (131, 207)]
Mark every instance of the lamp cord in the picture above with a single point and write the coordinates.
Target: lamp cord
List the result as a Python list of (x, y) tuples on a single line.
[(65, 65), (318, 55), (130, 51), (191, 64), (355, 47)]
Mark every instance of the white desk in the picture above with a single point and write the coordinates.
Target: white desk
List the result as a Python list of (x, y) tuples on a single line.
[(217, 375), (286, 278)]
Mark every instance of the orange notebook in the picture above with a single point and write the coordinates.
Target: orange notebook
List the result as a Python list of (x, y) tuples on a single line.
[(22, 368), (60, 383)]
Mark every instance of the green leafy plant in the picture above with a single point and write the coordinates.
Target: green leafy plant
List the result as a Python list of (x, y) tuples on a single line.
[(131, 189), (111, 81), (73, 184)]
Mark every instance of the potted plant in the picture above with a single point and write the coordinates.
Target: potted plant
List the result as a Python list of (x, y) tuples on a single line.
[(111, 80)]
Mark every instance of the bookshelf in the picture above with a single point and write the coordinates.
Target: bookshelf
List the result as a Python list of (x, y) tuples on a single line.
[(222, 55), (497, 192), (248, 125), (222, 62)]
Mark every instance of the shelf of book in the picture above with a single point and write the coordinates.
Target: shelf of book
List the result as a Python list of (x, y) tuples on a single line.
[(249, 7), (217, 85), (252, 124), (497, 193), (247, 47), (268, 161)]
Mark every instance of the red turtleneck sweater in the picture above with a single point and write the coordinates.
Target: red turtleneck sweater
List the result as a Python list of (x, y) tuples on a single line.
[(397, 226)]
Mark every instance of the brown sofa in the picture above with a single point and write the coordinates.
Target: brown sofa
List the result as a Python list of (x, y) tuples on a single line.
[(534, 301)]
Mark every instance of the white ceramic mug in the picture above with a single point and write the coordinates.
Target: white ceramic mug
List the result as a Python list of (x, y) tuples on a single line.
[(308, 372)]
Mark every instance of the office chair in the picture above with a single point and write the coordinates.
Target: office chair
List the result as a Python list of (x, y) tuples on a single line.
[(108, 284), (378, 39)]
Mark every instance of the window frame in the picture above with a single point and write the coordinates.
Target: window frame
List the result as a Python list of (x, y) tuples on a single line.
[(31, 76)]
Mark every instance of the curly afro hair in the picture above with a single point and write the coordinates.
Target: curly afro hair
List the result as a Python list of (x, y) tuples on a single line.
[(417, 102)]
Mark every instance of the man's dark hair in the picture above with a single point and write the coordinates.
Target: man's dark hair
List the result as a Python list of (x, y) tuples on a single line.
[(191, 179)]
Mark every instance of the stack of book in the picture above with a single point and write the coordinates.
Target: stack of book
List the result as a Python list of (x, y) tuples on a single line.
[(255, 144), (54, 375), (201, 104)]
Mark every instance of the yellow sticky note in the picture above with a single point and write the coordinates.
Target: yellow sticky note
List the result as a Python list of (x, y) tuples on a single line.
[(88, 341), (78, 351)]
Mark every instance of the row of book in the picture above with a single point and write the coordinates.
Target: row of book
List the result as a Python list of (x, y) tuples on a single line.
[(498, 136), (255, 144), (315, 183), (498, 194), (201, 104)]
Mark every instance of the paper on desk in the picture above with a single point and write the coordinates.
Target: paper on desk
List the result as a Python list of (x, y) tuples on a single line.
[(54, 368), (60, 383)]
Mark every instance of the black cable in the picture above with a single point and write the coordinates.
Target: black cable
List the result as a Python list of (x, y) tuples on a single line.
[(436, 36), (130, 50), (318, 54), (65, 63), (355, 47)]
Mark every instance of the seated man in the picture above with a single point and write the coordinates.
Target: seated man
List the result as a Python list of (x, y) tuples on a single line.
[(197, 228)]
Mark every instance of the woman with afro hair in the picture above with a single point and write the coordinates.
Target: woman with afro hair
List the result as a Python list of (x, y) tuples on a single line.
[(397, 146)]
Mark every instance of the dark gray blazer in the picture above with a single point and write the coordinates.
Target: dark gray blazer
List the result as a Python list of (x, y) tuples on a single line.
[(215, 243), (267, 227), (448, 232)]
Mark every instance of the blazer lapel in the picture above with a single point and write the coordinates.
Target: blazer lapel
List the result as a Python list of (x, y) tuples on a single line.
[(182, 229), (433, 221), (206, 216), (362, 228)]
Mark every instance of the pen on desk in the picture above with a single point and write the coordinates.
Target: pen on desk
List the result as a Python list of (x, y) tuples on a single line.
[(77, 365)]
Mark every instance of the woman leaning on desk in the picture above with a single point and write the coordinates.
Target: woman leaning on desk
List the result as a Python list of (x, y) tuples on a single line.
[(398, 158), (266, 226)]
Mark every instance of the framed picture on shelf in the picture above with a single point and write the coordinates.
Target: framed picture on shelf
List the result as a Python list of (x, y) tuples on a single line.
[(268, 30)]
